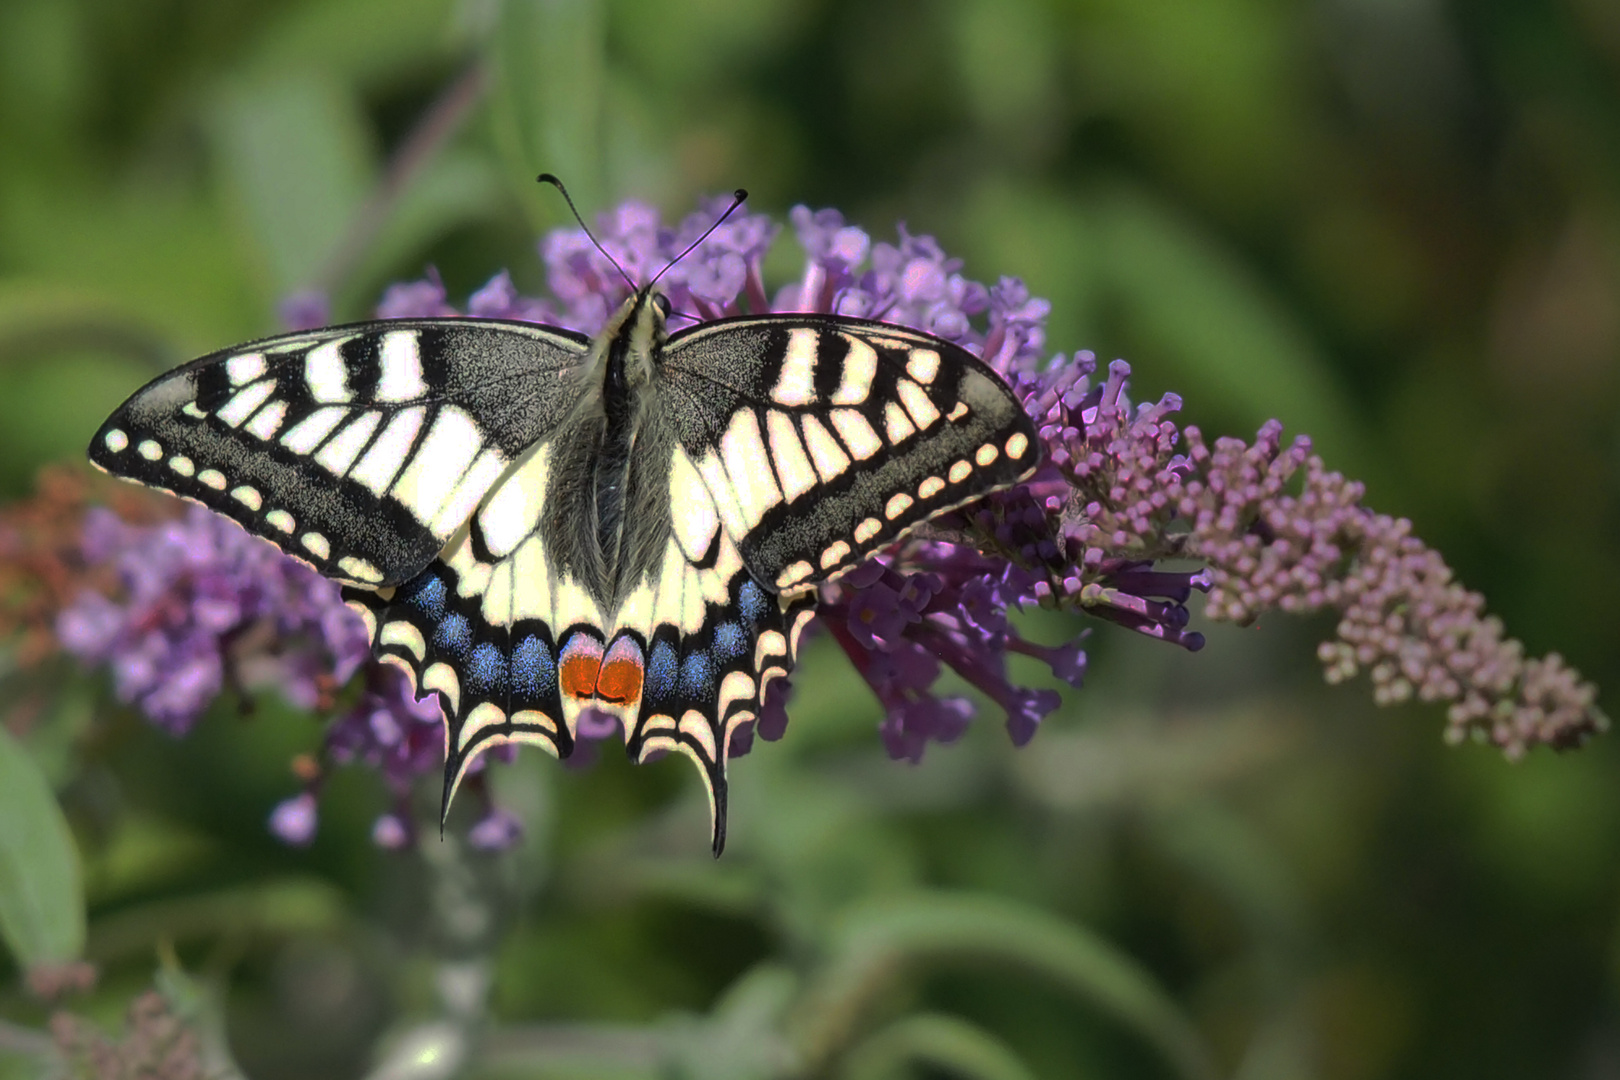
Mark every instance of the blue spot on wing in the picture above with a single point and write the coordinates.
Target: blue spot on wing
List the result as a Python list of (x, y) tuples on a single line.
[(662, 669), (427, 595), (697, 678), (454, 635), (751, 598), (534, 671), (485, 669), (730, 642)]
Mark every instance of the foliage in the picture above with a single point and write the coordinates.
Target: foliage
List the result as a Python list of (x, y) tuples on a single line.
[(1392, 226)]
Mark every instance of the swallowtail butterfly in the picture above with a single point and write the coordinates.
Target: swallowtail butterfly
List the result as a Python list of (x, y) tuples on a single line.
[(532, 522)]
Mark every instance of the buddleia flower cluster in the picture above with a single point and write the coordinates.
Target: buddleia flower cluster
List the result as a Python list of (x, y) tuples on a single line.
[(1123, 491)]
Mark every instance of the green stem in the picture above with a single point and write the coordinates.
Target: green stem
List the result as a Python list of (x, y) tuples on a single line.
[(879, 942), (947, 1043), (442, 120), (24, 1041), (523, 1050)]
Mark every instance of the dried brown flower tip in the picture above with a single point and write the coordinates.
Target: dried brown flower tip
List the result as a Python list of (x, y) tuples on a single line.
[(42, 564), (156, 1045), (51, 981)]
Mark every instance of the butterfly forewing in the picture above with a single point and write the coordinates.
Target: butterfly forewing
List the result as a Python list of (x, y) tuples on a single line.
[(823, 439), (359, 449)]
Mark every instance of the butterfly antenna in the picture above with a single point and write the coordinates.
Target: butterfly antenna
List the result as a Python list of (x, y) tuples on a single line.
[(738, 198), (549, 178)]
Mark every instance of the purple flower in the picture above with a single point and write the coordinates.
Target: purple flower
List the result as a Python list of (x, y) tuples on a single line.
[(1123, 491), (293, 820), (389, 729), (423, 299), (306, 310), (1067, 661), (205, 605), (495, 831), (832, 251), (912, 724), (391, 831), (771, 723), (499, 299), (1017, 326)]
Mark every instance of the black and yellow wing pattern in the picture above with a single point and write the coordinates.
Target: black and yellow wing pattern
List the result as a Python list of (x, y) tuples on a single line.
[(533, 523)]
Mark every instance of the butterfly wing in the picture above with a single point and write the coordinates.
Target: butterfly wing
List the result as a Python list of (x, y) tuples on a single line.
[(703, 634), (520, 643), (359, 449), (797, 446), (823, 439)]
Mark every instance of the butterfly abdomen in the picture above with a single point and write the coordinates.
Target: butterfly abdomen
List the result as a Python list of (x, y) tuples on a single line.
[(622, 415)]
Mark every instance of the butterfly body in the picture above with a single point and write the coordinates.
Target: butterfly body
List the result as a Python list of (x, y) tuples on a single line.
[(534, 523)]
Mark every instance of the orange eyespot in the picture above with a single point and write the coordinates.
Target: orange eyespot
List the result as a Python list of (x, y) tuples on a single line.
[(621, 674), (578, 666), (620, 682)]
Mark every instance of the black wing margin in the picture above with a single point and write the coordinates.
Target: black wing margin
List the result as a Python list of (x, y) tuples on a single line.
[(359, 449), (825, 438)]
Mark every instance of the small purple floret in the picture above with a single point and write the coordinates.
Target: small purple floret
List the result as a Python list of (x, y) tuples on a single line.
[(499, 299), (293, 820), (307, 310), (391, 831), (496, 831)]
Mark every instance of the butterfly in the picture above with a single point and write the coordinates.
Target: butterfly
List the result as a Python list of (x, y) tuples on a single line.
[(533, 522)]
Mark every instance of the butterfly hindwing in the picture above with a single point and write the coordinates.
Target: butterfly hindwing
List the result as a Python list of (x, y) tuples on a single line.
[(497, 624), (518, 648), (497, 682), (358, 449), (823, 439), (714, 637)]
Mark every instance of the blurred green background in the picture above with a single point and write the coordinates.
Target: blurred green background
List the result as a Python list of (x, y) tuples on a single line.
[(1393, 224)]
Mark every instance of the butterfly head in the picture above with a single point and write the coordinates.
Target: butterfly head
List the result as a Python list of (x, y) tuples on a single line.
[(633, 336)]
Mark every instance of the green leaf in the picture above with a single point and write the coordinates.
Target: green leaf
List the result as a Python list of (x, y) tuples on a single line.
[(20, 1049), (271, 909), (166, 255), (549, 63), (69, 355), (947, 1043), (298, 158), (877, 940), (1210, 89), (741, 1037), (41, 898), (38, 316), (453, 189), (368, 42), (1285, 1045), (1005, 98), (1047, 238), (620, 1051), (1237, 862), (1207, 326), (200, 1004)]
